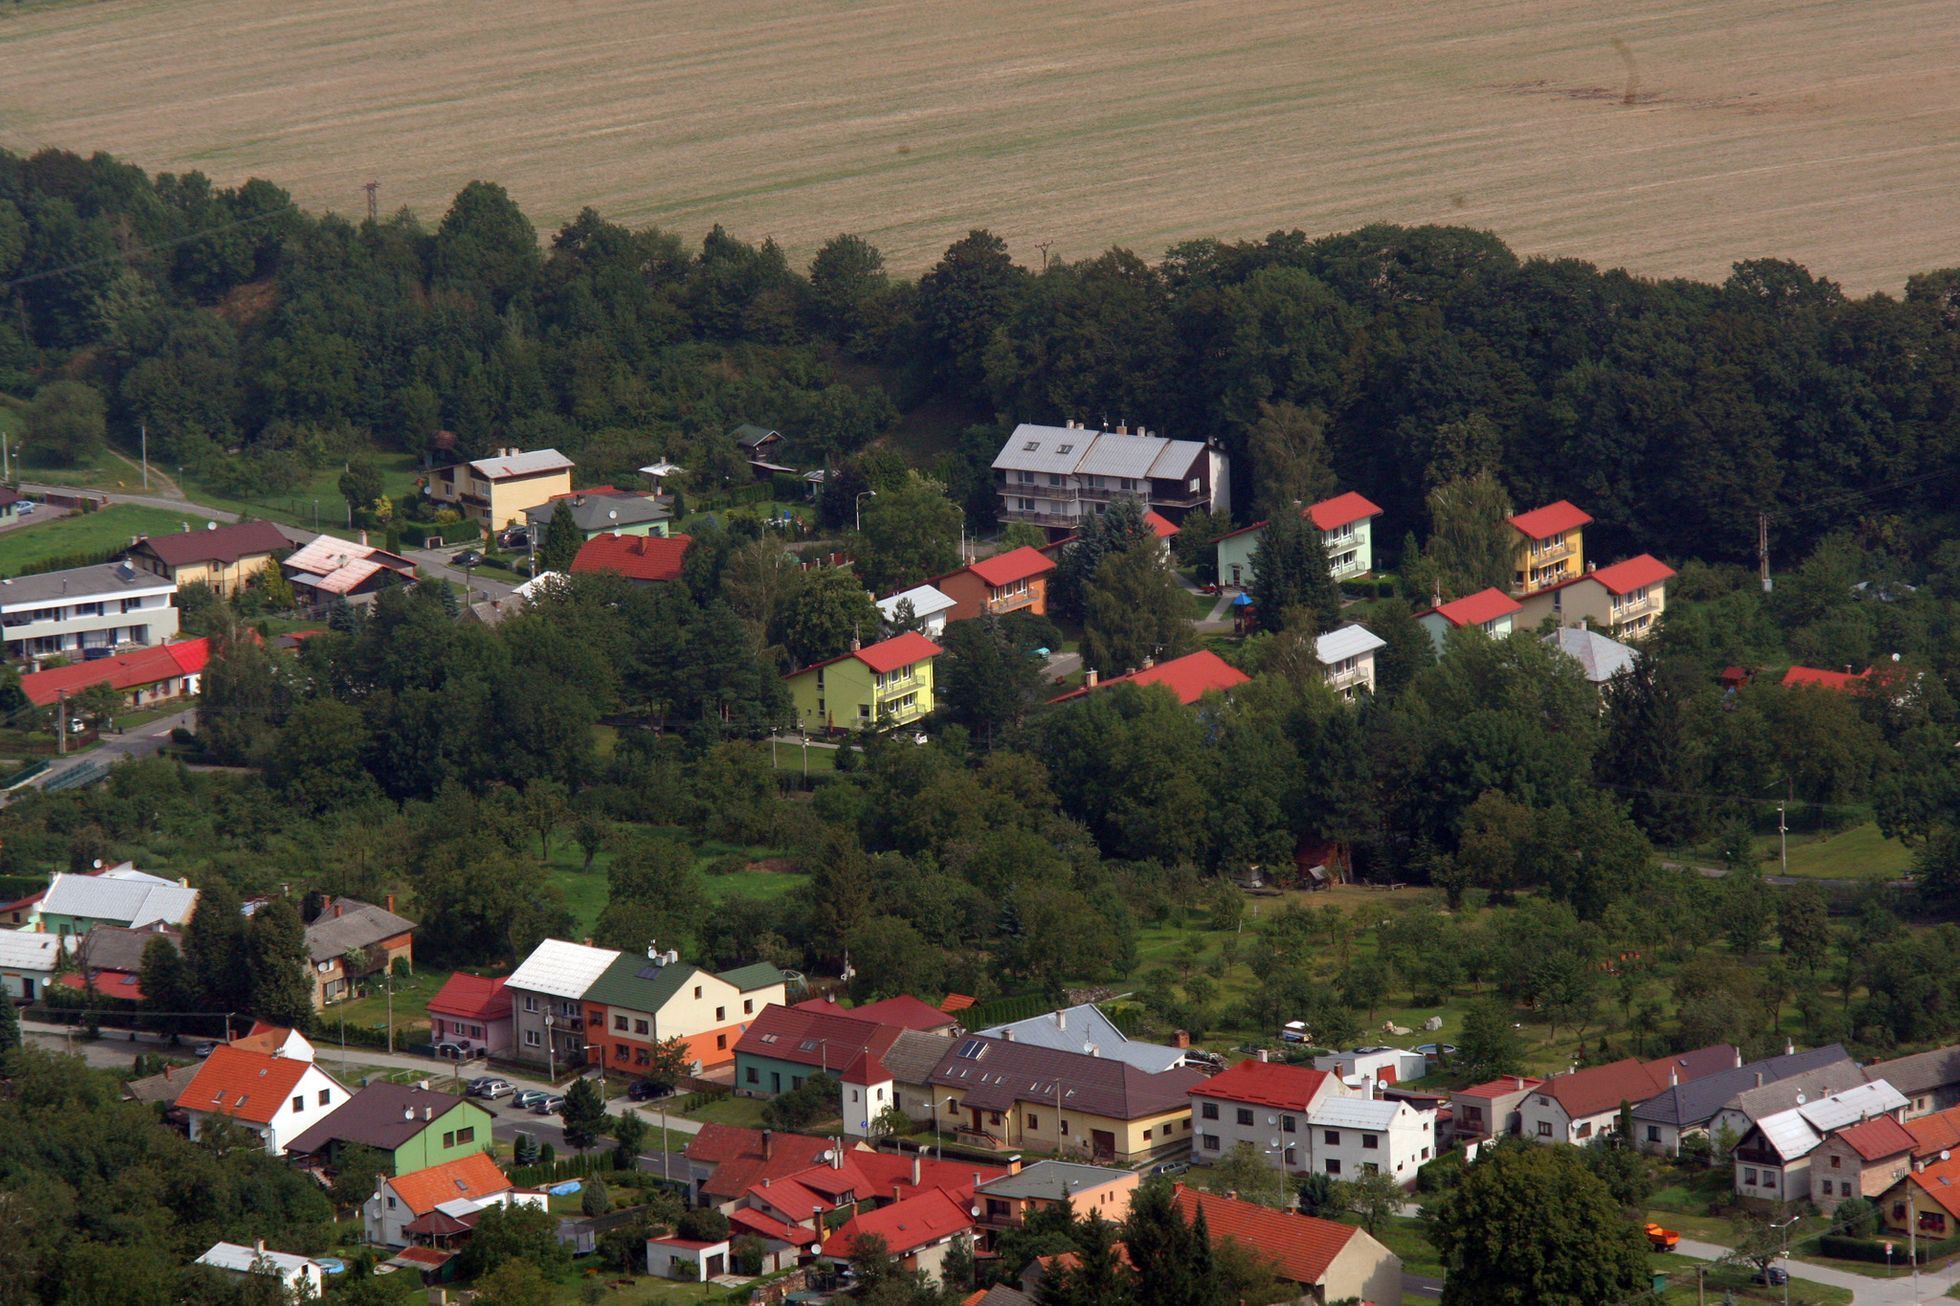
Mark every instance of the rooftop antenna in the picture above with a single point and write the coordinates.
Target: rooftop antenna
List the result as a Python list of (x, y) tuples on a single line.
[(371, 188)]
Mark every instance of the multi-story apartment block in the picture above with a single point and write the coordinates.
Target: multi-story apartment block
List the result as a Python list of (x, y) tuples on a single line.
[(1547, 546), (86, 610), (1056, 476)]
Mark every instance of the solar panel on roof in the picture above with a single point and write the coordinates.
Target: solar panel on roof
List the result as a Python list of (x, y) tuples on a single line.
[(971, 1049)]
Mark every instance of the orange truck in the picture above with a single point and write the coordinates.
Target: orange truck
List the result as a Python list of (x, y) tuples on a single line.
[(1662, 1240)]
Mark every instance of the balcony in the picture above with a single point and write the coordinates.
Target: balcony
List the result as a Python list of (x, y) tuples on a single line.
[(897, 686), (1554, 552), (895, 714), (1179, 498), (1621, 613), (1023, 490), (1339, 680), (1036, 517), (998, 603)]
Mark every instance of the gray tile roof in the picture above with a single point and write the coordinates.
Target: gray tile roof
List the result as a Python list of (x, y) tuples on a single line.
[(601, 512), (357, 925), (78, 583), (1599, 658), (108, 947), (1696, 1102), (1922, 1072), (992, 1074), (1082, 1028), (1822, 1081), (913, 1056), (382, 1115), (1052, 1180)]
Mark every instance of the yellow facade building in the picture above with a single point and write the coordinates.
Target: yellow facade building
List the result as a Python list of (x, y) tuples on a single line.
[(872, 688), (498, 491), (1547, 547)]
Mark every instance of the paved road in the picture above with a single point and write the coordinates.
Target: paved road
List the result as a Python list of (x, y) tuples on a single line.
[(157, 499), (141, 741), (1933, 1284), (1420, 1285), (1717, 872), (1063, 665), (435, 562)]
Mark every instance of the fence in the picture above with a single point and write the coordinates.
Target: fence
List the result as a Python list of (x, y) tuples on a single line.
[(86, 774), (25, 774)]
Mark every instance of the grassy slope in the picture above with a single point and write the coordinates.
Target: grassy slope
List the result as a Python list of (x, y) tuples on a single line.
[(294, 504), (84, 533)]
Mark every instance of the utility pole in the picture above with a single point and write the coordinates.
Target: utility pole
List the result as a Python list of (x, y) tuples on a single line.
[(1762, 549), (1783, 837), (61, 725), (6, 459), (391, 1009), (371, 188), (145, 429)]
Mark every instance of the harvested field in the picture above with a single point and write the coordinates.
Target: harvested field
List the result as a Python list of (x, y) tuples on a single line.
[(1666, 136)]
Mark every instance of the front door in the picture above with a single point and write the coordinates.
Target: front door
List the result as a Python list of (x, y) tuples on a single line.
[(1104, 1141)]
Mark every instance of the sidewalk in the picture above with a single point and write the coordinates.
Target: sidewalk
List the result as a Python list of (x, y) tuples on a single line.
[(1865, 1291)]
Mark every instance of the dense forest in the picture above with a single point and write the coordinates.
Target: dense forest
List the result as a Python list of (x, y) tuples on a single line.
[(1675, 412)]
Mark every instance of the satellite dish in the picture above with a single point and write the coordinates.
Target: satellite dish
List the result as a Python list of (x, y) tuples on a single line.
[(828, 1156), (1272, 1120), (815, 1248), (1274, 1142), (612, 514), (1945, 1155)]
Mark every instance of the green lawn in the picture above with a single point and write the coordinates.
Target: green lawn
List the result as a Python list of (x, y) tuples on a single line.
[(1680, 1272), (1201, 605), (730, 1110), (88, 532), (585, 890), (1860, 853), (1408, 1238), (791, 757), (412, 995), (295, 503)]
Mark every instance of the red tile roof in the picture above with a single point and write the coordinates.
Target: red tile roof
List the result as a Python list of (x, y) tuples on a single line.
[(245, 1085), (471, 997), (1023, 563), (865, 1068), (1625, 577), (1160, 526), (1877, 1138), (904, 1011), (1552, 519), (1269, 1083), (1598, 1089), (636, 557), (1332, 514), (118, 985), (900, 651), (833, 1040), (957, 1002), (737, 1157), (226, 544), (1941, 1182), (1190, 677), (1476, 609), (1936, 1133), (1499, 1087), (750, 1220), (907, 1226), (1303, 1248), (143, 666), (475, 1175), (1844, 682)]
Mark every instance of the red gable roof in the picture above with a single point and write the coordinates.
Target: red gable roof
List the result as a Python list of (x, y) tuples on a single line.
[(1476, 609), (1877, 1138), (1023, 563), (1160, 526), (471, 997), (1300, 1246), (226, 544), (1625, 577), (246, 1085), (475, 1175), (1190, 677), (956, 1002), (1332, 514), (1936, 1133), (1941, 1182), (1598, 1089), (1552, 519), (865, 1068), (143, 666), (1269, 1083), (1499, 1087), (1843, 682), (904, 1010), (636, 557), (906, 1226), (737, 1155), (120, 985), (899, 651), (832, 1039)]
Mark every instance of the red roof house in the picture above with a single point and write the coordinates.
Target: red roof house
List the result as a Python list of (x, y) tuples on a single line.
[(1552, 519), (1584, 1104), (1268, 1083), (1842, 682), (1474, 609), (1014, 581), (1342, 510), (1190, 678), (649, 559), (1334, 1262), (472, 1010), (910, 1227), (145, 675), (905, 1011)]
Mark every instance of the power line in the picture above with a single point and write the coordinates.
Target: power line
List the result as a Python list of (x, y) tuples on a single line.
[(133, 255)]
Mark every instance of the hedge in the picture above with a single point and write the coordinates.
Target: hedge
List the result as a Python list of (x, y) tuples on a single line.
[(1872, 1250), (419, 534)]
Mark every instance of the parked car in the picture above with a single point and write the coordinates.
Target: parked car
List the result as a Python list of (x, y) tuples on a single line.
[(457, 1052), (204, 1049), (490, 1088), (1170, 1168), (467, 558), (517, 537), (646, 1090), (552, 1104), (527, 1098), (25, 506), (1774, 1276)]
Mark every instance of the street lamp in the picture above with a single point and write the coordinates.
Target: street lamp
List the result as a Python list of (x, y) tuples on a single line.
[(857, 506), (938, 1143), (1783, 838), (1785, 1227), (550, 1060)]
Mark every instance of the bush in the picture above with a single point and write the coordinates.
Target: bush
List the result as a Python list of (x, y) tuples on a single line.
[(1857, 1217), (1441, 1174), (704, 1224), (746, 1253), (593, 1199)]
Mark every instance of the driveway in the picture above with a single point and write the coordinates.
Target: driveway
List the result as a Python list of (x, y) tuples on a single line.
[(143, 741), (1932, 1284), (435, 562)]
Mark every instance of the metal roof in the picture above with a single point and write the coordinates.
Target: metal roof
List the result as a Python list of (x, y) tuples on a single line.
[(1083, 1028), (1054, 1180), (600, 512), (1354, 1113), (926, 601), (1173, 461), (1123, 455), (30, 949), (534, 463), (1056, 449), (79, 583), (1697, 1101), (560, 969), (132, 902), (1795, 1132), (1599, 658), (1349, 641), (240, 1259)]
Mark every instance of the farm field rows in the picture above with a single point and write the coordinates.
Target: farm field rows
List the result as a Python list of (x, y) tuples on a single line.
[(1666, 136)]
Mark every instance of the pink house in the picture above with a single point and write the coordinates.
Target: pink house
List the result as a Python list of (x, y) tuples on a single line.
[(472, 1012)]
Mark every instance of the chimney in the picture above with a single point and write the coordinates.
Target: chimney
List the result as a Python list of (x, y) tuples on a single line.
[(1759, 1079), (1264, 1055), (169, 1073), (391, 902), (1007, 1034), (1435, 596), (258, 1246), (1061, 1019), (428, 1113), (1518, 1080), (1014, 1164), (915, 1169), (364, 542), (765, 1181), (1789, 1048), (768, 1144), (1673, 1077), (336, 911), (1847, 668), (1122, 428), (1149, 663), (1180, 1038), (976, 1178), (1089, 678)]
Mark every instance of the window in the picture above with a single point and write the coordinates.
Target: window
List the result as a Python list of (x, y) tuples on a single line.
[(1827, 1188), (1208, 1110), (1653, 1133), (1210, 1142), (697, 990), (621, 1052), (1291, 1157), (1333, 1167), (1034, 1121), (449, 1138), (1065, 448), (1748, 1175), (721, 1013), (1146, 1135), (466, 1135), (750, 1078), (721, 1042), (1286, 1124), (530, 1038), (1064, 1127), (1369, 1167), (326, 1095), (1372, 1142), (391, 1204), (640, 1027), (1331, 1137), (642, 1057), (1583, 1131), (748, 1006), (530, 1003), (1031, 446), (1054, 479), (993, 1117), (619, 1023), (1244, 1116), (1544, 1129), (1835, 1166), (299, 1102), (1425, 1155)]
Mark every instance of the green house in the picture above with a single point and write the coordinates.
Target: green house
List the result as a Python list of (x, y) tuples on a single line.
[(413, 1128)]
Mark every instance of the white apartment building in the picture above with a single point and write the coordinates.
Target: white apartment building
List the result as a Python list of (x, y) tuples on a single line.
[(1263, 1104), (1353, 1135), (1347, 659), (1057, 476), (85, 609)]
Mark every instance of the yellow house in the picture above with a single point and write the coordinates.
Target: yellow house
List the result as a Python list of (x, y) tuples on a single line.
[(1547, 547), (1623, 600), (873, 688), (999, 1093), (498, 491), (224, 557)]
